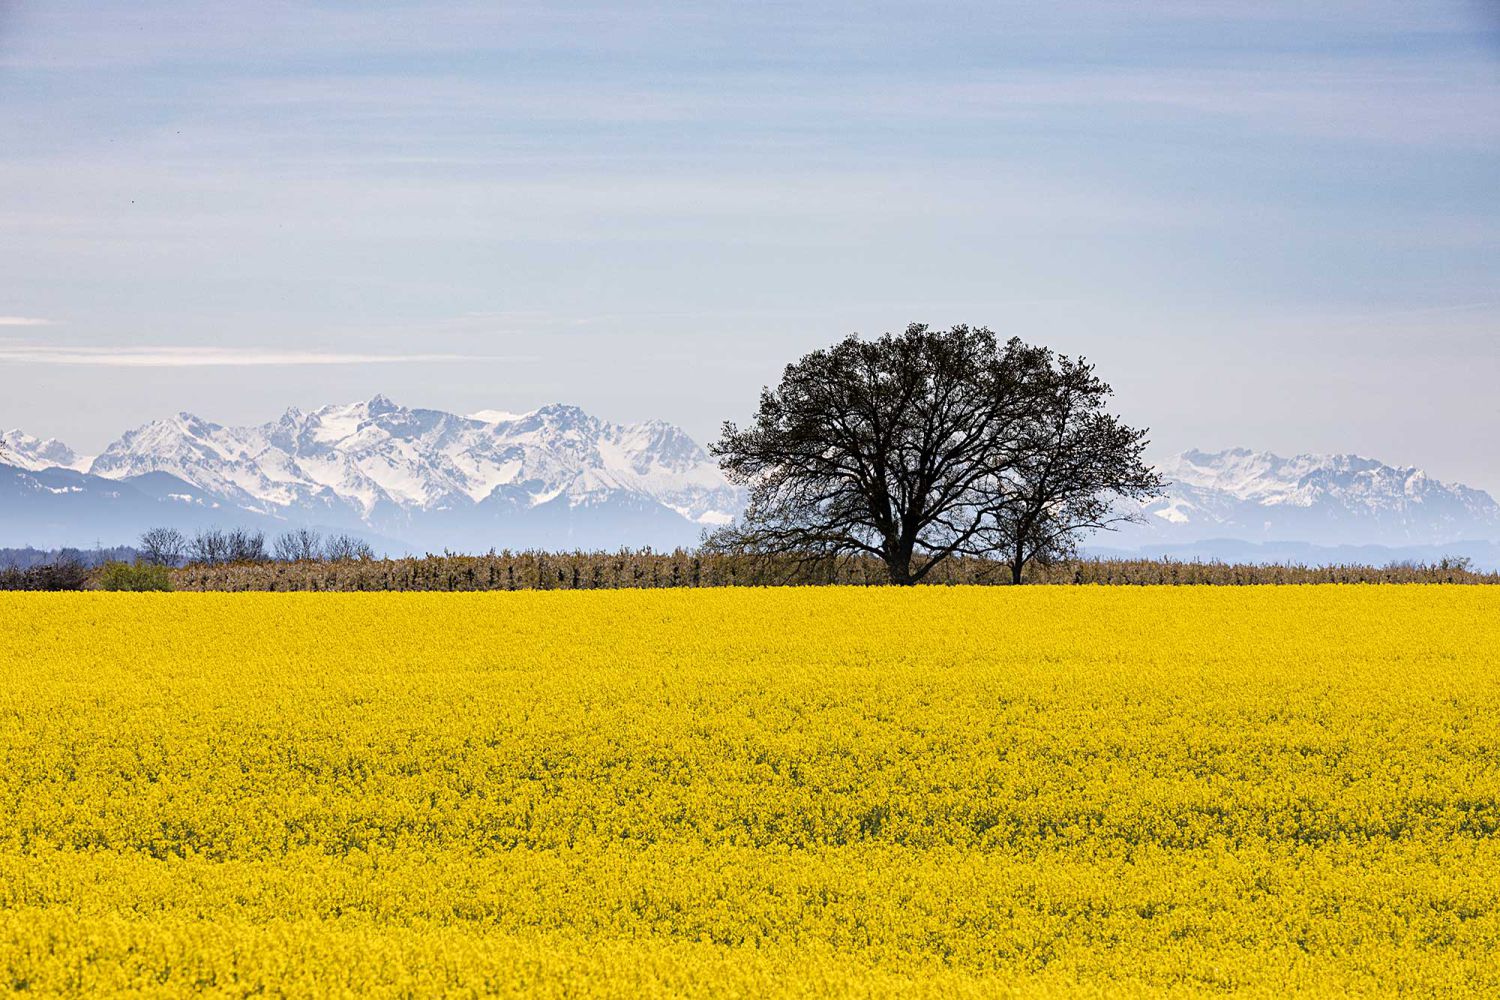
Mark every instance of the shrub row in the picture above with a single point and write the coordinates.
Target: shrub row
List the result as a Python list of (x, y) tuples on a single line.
[(69, 575), (603, 571), (61, 575), (609, 571)]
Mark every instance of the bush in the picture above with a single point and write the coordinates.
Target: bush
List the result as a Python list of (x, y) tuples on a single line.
[(141, 576), (64, 574)]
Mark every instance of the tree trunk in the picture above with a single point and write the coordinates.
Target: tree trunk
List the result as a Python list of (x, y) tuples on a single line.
[(899, 566), (1017, 563), (898, 549)]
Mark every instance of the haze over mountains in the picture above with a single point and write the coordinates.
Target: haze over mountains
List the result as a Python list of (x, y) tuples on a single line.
[(418, 479)]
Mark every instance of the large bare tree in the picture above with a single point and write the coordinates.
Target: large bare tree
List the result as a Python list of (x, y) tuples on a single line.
[(915, 448)]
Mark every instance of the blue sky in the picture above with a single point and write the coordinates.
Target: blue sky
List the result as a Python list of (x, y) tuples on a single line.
[(1270, 224)]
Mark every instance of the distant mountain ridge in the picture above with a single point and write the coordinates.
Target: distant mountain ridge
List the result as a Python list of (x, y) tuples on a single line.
[(30, 453), (420, 479), (554, 477), (1258, 496), (60, 508)]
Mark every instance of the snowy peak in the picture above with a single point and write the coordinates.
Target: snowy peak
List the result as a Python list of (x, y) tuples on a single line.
[(1257, 495), (391, 466), (1303, 480), (658, 444), (26, 452), (495, 416)]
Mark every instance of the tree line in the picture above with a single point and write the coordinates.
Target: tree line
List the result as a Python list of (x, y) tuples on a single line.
[(169, 547), (694, 568)]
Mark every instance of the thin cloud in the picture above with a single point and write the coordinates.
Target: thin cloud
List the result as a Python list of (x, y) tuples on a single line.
[(24, 321), (203, 357)]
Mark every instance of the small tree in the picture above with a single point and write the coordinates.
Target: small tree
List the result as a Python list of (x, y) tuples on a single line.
[(163, 546), (298, 545), (347, 548), (209, 547), (246, 545)]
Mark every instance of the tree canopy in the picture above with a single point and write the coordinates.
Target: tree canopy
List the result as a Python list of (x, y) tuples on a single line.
[(929, 444)]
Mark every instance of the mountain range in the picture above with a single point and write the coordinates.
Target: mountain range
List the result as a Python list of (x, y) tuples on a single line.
[(1330, 499), (411, 479), (408, 479)]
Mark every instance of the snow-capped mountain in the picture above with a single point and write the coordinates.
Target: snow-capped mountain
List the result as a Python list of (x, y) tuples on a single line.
[(556, 476), (1257, 496), (26, 452), (559, 478)]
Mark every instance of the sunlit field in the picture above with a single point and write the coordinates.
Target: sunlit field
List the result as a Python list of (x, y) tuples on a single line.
[(944, 792)]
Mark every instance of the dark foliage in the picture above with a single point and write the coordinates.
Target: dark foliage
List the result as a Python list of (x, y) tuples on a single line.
[(142, 576), (64, 574), (927, 446)]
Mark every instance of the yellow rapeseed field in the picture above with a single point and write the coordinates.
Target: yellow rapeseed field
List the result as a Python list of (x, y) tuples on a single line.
[(942, 792)]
